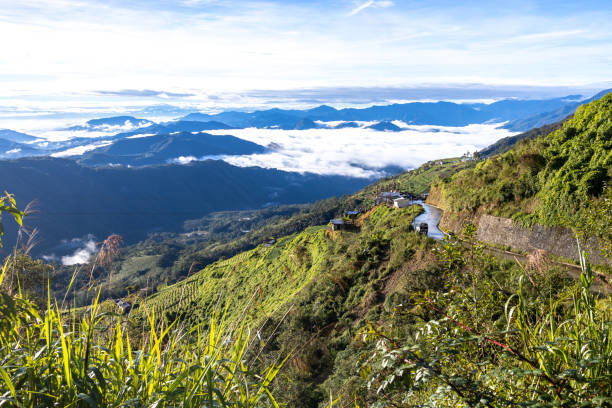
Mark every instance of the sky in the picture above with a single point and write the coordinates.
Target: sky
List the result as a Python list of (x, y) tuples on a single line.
[(64, 51)]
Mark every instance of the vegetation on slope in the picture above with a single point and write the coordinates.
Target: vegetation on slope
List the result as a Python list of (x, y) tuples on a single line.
[(73, 201), (49, 359), (165, 258), (556, 180)]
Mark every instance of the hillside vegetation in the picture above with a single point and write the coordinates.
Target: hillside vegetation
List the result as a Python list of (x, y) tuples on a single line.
[(165, 258), (73, 201), (555, 180)]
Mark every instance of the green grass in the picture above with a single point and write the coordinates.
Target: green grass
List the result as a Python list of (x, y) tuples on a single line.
[(266, 279), (48, 358)]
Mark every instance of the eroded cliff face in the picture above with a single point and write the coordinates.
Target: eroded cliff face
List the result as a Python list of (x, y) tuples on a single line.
[(501, 231), (557, 241)]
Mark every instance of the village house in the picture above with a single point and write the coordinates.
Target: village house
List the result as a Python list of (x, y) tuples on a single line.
[(269, 242), (123, 305), (387, 197), (337, 224), (401, 203)]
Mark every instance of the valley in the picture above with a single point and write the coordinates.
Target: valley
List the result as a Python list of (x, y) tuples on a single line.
[(264, 281)]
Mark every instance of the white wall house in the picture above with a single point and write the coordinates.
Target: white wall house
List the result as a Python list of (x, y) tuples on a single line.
[(401, 202)]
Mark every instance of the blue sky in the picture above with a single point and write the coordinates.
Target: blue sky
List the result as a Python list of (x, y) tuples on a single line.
[(203, 47)]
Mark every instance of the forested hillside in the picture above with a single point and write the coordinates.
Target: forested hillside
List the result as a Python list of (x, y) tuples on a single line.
[(560, 179)]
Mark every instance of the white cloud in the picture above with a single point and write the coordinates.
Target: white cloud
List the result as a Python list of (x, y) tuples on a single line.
[(371, 3), (82, 255), (361, 152), (184, 159), (76, 151), (70, 47)]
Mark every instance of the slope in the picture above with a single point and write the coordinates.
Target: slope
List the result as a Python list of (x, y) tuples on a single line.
[(160, 149), (556, 180)]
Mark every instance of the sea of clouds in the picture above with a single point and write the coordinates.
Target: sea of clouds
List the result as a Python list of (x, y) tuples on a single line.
[(360, 152)]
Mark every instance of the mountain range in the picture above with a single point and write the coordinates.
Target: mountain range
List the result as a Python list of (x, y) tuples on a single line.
[(416, 113), (115, 121), (71, 200), (159, 149)]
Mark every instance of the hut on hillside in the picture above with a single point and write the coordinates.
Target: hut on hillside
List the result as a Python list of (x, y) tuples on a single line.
[(337, 224), (123, 305), (269, 242)]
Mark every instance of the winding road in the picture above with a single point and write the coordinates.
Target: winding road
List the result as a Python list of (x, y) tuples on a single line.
[(431, 216)]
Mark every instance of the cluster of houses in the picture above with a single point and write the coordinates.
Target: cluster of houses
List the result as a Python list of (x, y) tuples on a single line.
[(397, 199)]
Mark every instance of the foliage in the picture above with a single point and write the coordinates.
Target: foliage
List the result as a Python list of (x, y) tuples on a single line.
[(166, 258), (50, 359), (529, 347), (597, 221), (549, 180), (9, 205), (26, 276)]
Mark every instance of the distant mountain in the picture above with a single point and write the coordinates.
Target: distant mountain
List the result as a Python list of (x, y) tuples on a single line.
[(159, 149), (418, 113), (119, 121), (548, 117), (197, 116), (385, 127), (115, 121), (344, 125), (306, 124), (13, 136), (74, 200), (176, 126), (13, 150), (506, 143)]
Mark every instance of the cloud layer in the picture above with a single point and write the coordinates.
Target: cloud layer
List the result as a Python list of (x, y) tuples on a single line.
[(361, 152)]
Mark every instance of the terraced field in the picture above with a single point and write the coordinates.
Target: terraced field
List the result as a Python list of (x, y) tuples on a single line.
[(258, 283)]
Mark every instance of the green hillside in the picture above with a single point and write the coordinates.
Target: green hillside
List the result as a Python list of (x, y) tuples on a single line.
[(376, 315), (167, 258), (262, 280), (553, 180)]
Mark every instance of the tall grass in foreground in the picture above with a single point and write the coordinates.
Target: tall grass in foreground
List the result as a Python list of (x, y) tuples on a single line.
[(50, 359)]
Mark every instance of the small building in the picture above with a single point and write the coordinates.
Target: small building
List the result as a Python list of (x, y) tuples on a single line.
[(387, 197), (269, 242), (123, 305), (337, 224), (467, 157), (401, 203), (352, 215)]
